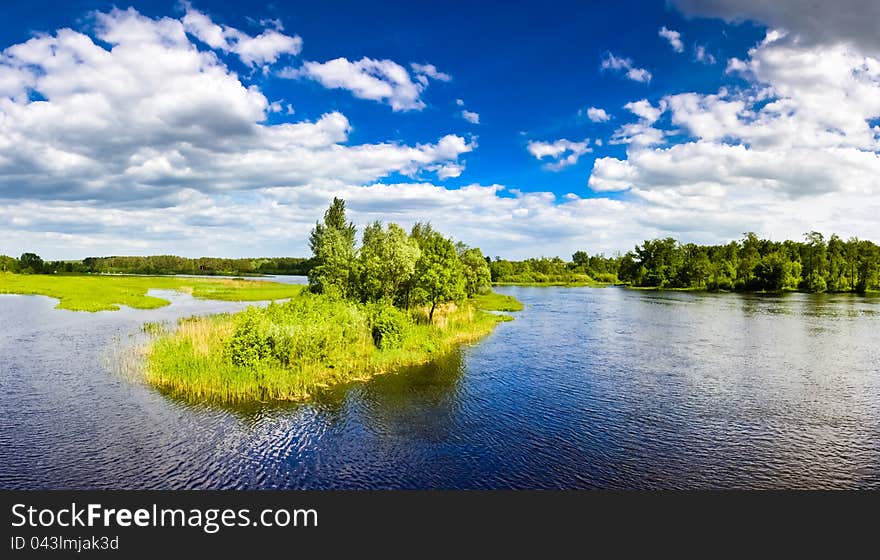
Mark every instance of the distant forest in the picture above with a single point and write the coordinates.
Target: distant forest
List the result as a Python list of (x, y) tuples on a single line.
[(30, 263), (750, 264)]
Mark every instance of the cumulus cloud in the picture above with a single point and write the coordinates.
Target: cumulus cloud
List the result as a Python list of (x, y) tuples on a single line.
[(563, 152), (470, 116), (500, 221), (151, 113), (425, 71), (626, 67), (674, 38), (703, 55), (598, 115), (641, 133), (376, 80), (797, 148), (265, 48)]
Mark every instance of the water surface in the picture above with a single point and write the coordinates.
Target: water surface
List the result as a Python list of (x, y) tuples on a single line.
[(587, 388)]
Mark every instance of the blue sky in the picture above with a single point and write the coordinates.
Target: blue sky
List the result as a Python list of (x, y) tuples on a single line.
[(224, 129)]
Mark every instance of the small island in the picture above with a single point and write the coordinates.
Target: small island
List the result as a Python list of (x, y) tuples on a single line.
[(400, 299)]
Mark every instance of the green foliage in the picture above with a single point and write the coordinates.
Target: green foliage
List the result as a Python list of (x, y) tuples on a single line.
[(388, 326), (333, 246), (387, 263), (497, 302), (303, 329), (477, 276), (30, 263), (439, 276), (582, 271), (756, 264), (291, 350)]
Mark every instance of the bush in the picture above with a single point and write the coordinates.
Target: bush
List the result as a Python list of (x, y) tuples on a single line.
[(388, 325), (250, 343)]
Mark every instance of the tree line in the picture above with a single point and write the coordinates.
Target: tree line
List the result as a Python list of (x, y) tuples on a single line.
[(385, 265), (751, 264), (31, 263), (421, 267)]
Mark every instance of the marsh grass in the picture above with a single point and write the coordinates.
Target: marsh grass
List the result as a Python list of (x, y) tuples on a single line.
[(107, 293), (293, 350), (497, 302)]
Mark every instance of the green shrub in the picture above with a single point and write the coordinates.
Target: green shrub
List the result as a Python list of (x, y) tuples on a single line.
[(251, 340), (388, 325)]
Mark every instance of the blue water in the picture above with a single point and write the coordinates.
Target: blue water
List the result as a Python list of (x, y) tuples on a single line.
[(587, 388)]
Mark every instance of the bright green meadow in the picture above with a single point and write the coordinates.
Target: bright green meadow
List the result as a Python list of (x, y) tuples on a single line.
[(107, 293)]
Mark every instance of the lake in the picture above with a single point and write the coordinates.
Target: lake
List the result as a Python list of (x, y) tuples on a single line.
[(587, 388)]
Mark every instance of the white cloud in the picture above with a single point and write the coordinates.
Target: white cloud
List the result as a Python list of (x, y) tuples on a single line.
[(376, 80), (674, 38), (641, 133), (626, 66), (150, 113), (471, 117), (563, 152), (597, 115), (703, 55), (265, 48), (143, 141), (425, 71), (795, 150)]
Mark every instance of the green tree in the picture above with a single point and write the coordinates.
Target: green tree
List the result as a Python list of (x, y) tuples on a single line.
[(387, 263), (30, 263), (477, 276), (580, 258), (439, 277), (8, 264), (333, 250)]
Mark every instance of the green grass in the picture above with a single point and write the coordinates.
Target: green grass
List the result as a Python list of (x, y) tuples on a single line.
[(107, 293), (293, 350), (497, 302), (564, 284)]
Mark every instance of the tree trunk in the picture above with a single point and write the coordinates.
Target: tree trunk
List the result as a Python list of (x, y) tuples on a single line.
[(431, 314)]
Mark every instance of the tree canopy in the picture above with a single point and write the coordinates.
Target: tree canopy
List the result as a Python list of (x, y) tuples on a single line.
[(419, 268)]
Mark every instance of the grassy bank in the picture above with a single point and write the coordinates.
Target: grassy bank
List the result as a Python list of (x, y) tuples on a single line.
[(497, 302), (291, 350), (107, 293), (560, 283)]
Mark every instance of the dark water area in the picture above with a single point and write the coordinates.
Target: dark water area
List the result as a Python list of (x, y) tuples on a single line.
[(587, 388)]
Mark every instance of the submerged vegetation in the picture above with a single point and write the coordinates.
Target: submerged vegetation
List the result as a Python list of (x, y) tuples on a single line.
[(400, 299), (107, 293)]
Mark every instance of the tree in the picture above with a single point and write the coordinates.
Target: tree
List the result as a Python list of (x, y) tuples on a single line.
[(580, 258), (30, 263), (387, 263), (439, 277), (477, 276), (814, 277), (333, 249), (8, 264)]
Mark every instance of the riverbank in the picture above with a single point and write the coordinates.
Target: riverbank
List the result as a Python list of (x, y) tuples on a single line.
[(558, 284), (107, 293), (292, 350)]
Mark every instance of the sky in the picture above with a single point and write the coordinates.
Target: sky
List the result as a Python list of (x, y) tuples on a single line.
[(210, 128)]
